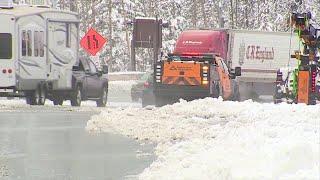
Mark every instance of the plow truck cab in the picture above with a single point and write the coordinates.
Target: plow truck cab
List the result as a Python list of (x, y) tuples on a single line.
[(196, 69)]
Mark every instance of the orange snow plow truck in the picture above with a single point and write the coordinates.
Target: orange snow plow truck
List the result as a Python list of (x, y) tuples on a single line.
[(196, 69)]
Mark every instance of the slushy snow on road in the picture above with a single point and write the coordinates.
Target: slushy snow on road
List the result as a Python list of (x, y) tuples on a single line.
[(215, 139)]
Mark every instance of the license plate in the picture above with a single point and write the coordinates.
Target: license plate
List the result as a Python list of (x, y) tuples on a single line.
[(6, 90)]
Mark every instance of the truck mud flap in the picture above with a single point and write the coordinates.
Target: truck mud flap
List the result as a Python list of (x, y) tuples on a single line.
[(181, 80)]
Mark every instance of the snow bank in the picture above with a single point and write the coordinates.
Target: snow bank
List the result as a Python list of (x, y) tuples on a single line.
[(213, 139)]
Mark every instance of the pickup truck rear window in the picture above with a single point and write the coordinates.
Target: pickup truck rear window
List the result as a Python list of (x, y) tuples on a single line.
[(5, 46)]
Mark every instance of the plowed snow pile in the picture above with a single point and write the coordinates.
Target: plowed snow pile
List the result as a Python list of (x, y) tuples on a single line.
[(213, 139)]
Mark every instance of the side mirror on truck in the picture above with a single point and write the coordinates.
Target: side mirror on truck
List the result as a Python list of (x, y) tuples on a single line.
[(237, 71), (105, 69)]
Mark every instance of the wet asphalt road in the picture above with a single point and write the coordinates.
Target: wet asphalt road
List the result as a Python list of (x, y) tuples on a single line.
[(55, 146)]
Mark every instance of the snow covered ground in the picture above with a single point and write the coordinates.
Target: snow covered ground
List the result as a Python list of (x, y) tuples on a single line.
[(20, 105), (214, 139)]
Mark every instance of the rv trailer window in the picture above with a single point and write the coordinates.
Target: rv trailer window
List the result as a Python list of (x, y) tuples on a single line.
[(68, 35), (41, 41), (36, 43), (24, 43), (5, 46), (29, 42)]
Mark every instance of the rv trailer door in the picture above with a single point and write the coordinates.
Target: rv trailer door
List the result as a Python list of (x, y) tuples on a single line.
[(32, 61), (7, 49)]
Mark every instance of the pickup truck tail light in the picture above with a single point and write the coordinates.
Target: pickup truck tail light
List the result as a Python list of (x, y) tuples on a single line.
[(146, 85)]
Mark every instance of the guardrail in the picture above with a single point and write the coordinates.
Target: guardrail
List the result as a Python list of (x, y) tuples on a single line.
[(125, 76)]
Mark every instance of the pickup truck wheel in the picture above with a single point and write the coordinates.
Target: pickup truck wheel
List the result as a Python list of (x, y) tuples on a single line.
[(76, 97), (102, 102), (58, 101), (134, 98), (144, 100)]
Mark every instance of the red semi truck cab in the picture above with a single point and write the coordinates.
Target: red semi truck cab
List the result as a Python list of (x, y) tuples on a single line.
[(203, 42)]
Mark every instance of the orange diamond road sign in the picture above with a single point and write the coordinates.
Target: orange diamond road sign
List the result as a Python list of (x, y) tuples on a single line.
[(92, 42)]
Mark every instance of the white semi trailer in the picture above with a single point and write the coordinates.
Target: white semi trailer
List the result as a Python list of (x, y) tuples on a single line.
[(38, 49), (260, 55)]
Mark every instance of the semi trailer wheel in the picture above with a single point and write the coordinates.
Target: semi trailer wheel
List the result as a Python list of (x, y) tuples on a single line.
[(278, 95)]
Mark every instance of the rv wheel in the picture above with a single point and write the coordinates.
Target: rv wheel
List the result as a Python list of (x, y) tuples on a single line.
[(42, 95), (37, 96), (33, 97), (76, 97), (30, 99)]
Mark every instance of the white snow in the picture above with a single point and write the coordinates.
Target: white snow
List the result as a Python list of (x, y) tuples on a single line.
[(215, 139)]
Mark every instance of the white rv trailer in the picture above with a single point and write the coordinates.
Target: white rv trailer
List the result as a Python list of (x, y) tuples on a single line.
[(38, 48)]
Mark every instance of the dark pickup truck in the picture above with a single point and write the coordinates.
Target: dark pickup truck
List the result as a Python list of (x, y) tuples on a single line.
[(88, 84)]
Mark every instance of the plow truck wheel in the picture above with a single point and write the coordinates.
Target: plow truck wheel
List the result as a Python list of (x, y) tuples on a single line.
[(215, 90), (236, 93), (164, 100), (160, 101)]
